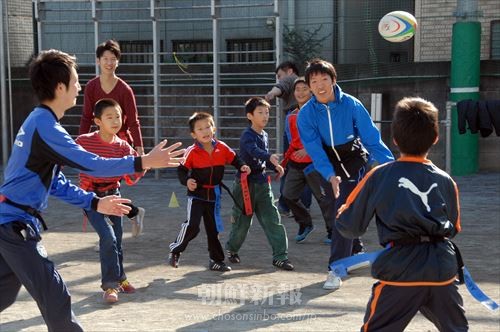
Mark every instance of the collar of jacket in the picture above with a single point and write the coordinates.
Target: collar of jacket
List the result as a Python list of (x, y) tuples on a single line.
[(199, 145)]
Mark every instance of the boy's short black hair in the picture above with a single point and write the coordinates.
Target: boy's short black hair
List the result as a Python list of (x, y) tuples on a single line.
[(109, 45), (287, 65), (104, 103), (300, 79), (415, 125), (47, 70), (316, 66), (252, 103), (197, 116)]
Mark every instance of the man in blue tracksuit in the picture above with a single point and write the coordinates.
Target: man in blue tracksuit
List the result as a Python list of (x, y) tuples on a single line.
[(33, 173), (339, 135)]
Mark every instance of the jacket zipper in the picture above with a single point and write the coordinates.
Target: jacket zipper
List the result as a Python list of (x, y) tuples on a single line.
[(211, 173), (332, 143)]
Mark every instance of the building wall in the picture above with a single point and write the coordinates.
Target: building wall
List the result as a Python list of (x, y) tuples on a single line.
[(20, 28), (436, 18)]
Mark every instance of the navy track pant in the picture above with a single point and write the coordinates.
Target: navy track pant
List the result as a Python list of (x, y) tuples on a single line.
[(391, 308), (23, 261)]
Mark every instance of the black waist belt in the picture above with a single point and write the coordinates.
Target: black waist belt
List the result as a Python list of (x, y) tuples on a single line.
[(417, 240), (28, 209), (434, 239)]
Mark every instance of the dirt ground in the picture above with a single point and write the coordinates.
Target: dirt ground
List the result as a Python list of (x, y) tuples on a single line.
[(255, 295)]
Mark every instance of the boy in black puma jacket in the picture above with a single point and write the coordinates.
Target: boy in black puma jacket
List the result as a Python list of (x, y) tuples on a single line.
[(416, 208)]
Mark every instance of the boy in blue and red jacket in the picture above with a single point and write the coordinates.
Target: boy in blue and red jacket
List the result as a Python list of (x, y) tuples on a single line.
[(301, 173), (202, 172), (418, 271)]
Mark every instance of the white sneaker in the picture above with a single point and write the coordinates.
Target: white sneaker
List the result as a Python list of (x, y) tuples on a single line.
[(332, 281), (138, 222)]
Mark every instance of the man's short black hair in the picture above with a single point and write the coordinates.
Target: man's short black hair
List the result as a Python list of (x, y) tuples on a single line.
[(109, 45), (316, 66), (287, 65), (47, 70)]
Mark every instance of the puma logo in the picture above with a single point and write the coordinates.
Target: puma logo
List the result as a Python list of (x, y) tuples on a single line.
[(405, 183)]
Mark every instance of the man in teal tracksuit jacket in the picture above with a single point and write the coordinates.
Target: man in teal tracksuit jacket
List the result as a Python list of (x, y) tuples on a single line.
[(339, 135), (33, 172)]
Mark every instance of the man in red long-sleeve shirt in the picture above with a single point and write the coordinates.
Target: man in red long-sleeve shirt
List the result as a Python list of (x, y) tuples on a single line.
[(109, 86)]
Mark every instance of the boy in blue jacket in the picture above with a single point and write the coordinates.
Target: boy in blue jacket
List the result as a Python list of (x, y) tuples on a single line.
[(341, 138), (418, 271), (254, 151), (33, 173)]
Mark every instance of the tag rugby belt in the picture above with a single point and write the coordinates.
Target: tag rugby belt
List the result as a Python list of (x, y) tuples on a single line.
[(341, 267), (28, 209)]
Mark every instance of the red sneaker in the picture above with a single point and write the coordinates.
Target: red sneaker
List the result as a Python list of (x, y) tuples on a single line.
[(126, 287), (110, 295)]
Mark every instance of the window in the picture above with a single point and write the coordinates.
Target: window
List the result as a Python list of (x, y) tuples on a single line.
[(495, 40), (193, 50), (137, 51), (250, 50)]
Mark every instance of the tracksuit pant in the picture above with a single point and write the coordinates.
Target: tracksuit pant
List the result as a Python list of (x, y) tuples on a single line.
[(391, 308), (295, 182), (196, 209), (267, 214), (23, 261)]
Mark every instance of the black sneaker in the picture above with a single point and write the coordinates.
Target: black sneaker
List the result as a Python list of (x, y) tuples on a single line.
[(218, 266), (283, 264), (233, 257), (173, 259)]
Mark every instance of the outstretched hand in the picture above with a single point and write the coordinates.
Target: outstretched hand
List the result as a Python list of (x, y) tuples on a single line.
[(161, 157), (113, 205)]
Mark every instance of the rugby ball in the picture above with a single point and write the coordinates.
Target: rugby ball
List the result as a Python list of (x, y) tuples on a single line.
[(397, 26)]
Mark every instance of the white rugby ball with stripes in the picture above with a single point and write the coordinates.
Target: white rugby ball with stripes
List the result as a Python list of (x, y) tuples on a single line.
[(397, 26)]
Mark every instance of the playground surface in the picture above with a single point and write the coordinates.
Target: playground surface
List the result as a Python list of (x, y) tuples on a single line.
[(254, 295)]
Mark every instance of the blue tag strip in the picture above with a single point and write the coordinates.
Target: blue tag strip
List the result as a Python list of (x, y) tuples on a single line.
[(477, 293), (342, 266), (218, 219)]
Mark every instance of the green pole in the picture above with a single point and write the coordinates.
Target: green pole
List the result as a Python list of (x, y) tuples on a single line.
[(464, 84)]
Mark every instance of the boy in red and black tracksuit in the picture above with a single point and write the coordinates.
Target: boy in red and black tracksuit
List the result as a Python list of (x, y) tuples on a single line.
[(202, 172), (418, 271)]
